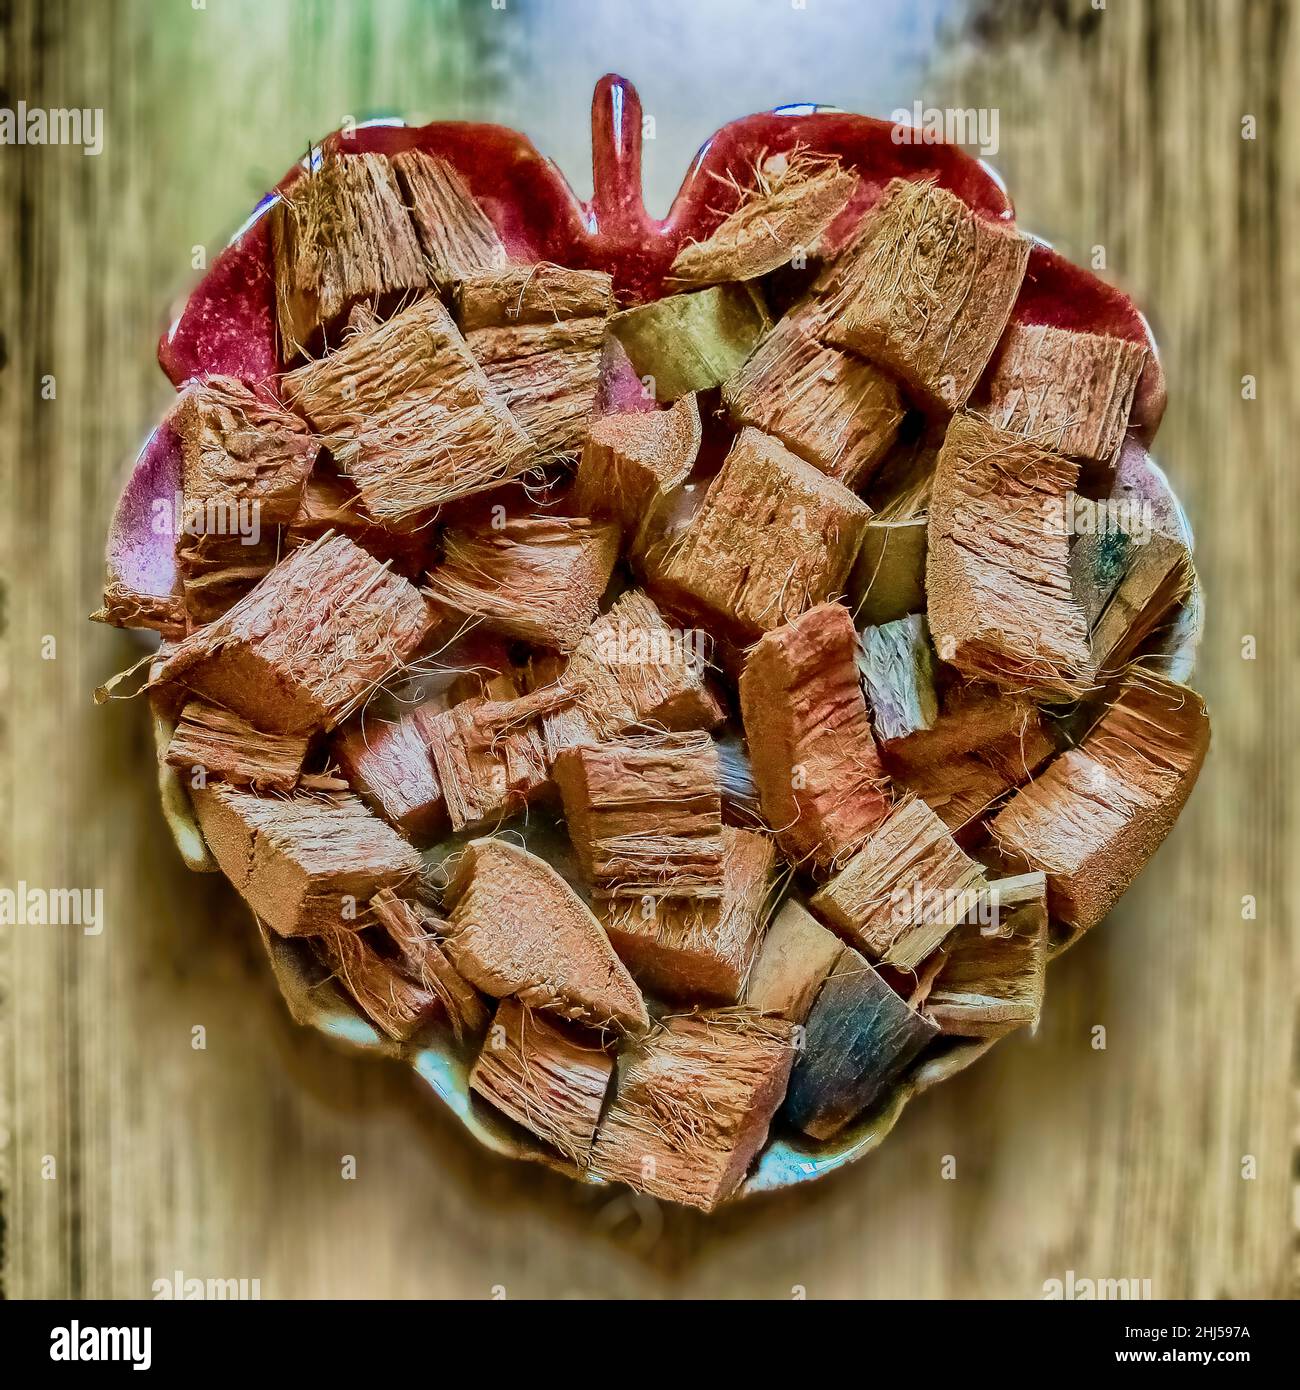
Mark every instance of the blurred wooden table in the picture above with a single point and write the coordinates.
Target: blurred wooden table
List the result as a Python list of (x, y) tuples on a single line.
[(1119, 128)]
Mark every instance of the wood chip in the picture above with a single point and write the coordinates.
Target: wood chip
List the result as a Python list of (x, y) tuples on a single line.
[(455, 234), (544, 1076), (1098, 813), (772, 538), (693, 1107), (797, 955), (213, 742), (517, 930), (901, 894), (897, 666), (127, 607), (389, 765), (888, 578), (339, 235), (398, 1006), (837, 411), (819, 776), (859, 1038), (1070, 392), (304, 864), (1155, 585), (410, 416), (533, 294), (1001, 606), (311, 641), (535, 578), (698, 948), (217, 571), (930, 288)]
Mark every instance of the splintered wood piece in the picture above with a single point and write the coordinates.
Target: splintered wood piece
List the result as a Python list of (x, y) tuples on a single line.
[(1071, 392), (339, 234), (538, 331), (772, 538), (536, 578), (332, 503), (457, 238), (216, 571), (127, 607), (417, 935), (533, 294), (311, 641), (1098, 813), (837, 411), (997, 569), (1098, 563), (410, 416), (993, 976), (797, 955), (692, 342), (784, 216), (517, 930), (888, 579), (929, 288), (694, 1105), (304, 864), (398, 1006), (859, 1038), (490, 755), (1157, 581), (390, 767), (631, 668), (645, 814), (698, 948), (544, 1077), (904, 890), (631, 460), (226, 747), (244, 458), (897, 668), (819, 776)]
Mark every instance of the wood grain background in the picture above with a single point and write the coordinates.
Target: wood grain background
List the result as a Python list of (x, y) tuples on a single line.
[(1120, 127)]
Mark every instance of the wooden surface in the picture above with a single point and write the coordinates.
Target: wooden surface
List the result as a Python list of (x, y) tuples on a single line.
[(1119, 128)]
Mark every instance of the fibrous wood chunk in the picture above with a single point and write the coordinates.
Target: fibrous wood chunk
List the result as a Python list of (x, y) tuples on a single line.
[(1100, 811), (1098, 562), (309, 643), (630, 668), (997, 570), (859, 1038), (694, 1106), (631, 460), (243, 457), (1155, 584), (304, 864), (772, 538), (216, 571), (645, 814), (901, 894), (517, 930), (837, 411), (230, 749), (698, 948), (796, 198), (888, 577), (418, 937), (545, 1077), (537, 331), (819, 776), (797, 955), (457, 238), (535, 578), (127, 607), (930, 288), (339, 234), (410, 416), (490, 755), (692, 342), (332, 503), (1071, 392), (389, 765), (397, 1005), (993, 975), (897, 668)]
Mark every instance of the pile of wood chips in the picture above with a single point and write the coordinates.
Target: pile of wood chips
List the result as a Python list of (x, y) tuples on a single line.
[(845, 719)]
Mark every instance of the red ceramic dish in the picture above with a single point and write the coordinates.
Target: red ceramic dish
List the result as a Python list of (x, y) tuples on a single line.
[(227, 325)]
